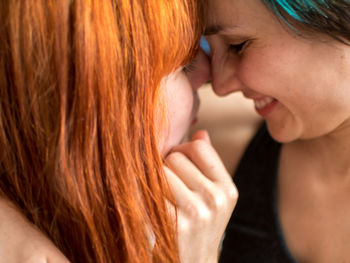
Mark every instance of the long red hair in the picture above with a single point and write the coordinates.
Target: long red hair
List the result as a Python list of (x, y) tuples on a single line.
[(79, 84)]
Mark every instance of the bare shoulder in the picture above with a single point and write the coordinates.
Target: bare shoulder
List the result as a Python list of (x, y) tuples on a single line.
[(231, 122), (21, 241)]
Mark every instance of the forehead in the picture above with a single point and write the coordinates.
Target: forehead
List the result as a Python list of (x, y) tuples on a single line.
[(228, 16)]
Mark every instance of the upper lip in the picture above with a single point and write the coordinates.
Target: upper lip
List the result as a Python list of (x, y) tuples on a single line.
[(252, 97)]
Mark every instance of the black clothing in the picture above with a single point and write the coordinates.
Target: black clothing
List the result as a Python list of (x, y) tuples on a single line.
[(253, 234)]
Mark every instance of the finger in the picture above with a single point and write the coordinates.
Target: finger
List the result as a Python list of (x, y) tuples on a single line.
[(190, 175), (187, 202), (201, 135), (204, 156), (180, 191), (171, 209), (213, 195), (180, 218)]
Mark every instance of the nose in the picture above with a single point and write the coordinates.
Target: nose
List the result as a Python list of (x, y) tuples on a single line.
[(199, 73), (225, 72)]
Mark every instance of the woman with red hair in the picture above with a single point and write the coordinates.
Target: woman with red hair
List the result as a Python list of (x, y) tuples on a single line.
[(82, 119)]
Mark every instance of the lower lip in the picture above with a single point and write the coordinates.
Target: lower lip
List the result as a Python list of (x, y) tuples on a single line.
[(264, 112)]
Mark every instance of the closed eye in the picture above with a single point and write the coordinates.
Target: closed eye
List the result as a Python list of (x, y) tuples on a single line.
[(237, 48), (190, 67)]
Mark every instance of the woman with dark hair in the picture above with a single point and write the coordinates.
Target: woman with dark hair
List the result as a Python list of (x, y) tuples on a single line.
[(292, 59), (83, 123)]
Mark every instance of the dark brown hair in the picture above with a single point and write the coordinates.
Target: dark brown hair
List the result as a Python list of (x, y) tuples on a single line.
[(327, 17)]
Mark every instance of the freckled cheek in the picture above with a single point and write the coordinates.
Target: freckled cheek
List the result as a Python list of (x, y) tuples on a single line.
[(178, 117), (253, 73), (181, 108)]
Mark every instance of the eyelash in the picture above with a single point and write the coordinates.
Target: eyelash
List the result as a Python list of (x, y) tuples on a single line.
[(190, 66), (237, 48)]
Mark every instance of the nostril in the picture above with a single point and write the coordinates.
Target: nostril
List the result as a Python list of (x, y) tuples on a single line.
[(218, 90), (223, 88)]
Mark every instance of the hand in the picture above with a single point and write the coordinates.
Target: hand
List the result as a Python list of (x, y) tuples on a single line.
[(22, 242), (205, 197)]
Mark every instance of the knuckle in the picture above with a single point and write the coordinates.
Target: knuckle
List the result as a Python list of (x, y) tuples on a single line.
[(232, 193), (215, 200), (173, 157), (221, 199), (203, 216), (199, 214), (219, 202), (183, 225), (190, 208), (199, 146)]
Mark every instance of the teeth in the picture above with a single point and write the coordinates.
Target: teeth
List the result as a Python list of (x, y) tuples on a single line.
[(259, 104)]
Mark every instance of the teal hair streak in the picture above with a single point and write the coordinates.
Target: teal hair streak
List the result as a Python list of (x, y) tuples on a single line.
[(297, 9)]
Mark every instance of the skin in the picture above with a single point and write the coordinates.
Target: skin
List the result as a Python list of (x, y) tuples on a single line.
[(231, 122), (180, 90), (205, 198), (22, 242), (306, 81), (203, 189), (295, 71)]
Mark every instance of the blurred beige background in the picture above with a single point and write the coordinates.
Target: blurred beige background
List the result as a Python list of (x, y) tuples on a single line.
[(231, 122)]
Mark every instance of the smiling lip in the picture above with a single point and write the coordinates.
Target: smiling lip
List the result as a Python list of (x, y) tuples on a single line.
[(265, 105)]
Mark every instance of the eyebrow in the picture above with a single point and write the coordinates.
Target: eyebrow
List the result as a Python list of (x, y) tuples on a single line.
[(218, 29)]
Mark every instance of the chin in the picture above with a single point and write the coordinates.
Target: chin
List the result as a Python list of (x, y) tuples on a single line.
[(283, 134)]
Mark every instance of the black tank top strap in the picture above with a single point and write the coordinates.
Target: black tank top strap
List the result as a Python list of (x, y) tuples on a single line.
[(253, 234)]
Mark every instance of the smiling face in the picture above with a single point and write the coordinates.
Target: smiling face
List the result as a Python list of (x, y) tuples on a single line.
[(181, 99), (300, 85)]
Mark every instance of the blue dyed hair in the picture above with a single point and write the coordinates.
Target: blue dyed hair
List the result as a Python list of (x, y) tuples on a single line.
[(330, 17), (298, 9)]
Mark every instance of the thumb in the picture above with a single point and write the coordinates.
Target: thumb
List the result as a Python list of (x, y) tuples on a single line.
[(201, 135)]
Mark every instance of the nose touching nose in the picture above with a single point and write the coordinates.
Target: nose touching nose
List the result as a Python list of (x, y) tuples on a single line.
[(223, 73), (201, 73)]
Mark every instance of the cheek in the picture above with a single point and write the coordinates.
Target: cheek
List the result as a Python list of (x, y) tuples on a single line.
[(270, 71), (302, 85), (179, 112), (179, 103)]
